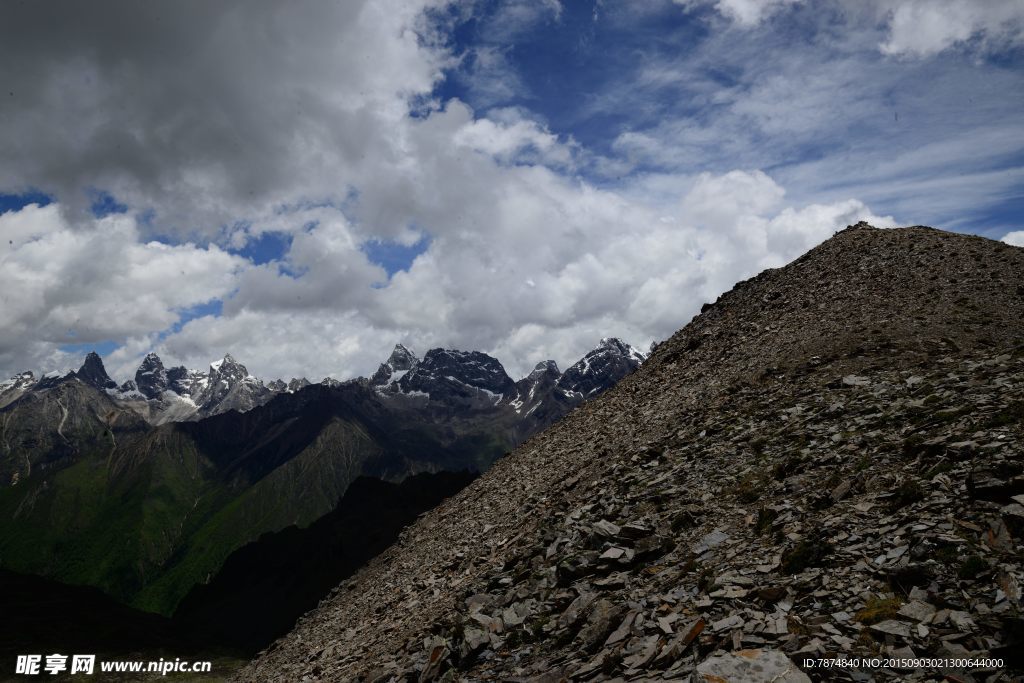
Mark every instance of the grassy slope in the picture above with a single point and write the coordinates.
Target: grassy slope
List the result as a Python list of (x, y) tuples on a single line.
[(144, 514)]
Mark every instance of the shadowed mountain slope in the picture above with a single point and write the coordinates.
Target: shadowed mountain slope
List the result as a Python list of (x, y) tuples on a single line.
[(266, 585), (827, 461)]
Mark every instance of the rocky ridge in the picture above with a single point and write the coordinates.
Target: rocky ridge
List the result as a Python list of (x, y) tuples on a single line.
[(826, 462)]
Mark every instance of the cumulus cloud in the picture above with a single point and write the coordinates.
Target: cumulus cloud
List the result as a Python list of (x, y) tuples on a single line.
[(1016, 238), (920, 28), (62, 285), (209, 113), (560, 265), (220, 123)]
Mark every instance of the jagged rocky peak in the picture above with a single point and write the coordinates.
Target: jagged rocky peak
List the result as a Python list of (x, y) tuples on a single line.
[(543, 376), (601, 368), (544, 368), (20, 381), (94, 374), (14, 387), (228, 369), (279, 386), (402, 358), (230, 387), (446, 374), (616, 346), (296, 384), (151, 378), (394, 368), (540, 387)]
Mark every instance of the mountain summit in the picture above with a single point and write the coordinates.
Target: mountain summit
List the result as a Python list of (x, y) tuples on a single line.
[(826, 462), (394, 368), (151, 377), (94, 374), (597, 371)]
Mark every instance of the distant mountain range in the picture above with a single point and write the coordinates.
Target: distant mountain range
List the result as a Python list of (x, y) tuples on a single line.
[(144, 490), (468, 379)]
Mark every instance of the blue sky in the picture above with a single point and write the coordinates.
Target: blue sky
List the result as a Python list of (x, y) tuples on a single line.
[(586, 71), (519, 177)]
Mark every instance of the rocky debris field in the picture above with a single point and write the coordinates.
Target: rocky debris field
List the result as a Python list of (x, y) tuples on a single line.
[(819, 466)]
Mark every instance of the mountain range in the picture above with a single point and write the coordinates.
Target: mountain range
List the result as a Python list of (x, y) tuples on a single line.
[(468, 379), (145, 489)]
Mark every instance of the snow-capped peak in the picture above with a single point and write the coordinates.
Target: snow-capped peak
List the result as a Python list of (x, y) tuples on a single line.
[(398, 364), (22, 380), (544, 367), (601, 368), (227, 360)]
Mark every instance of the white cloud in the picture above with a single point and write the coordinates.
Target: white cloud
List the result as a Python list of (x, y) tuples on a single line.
[(1016, 238), (746, 13), (506, 134), (90, 283), (560, 264), (527, 259), (921, 28), (215, 113)]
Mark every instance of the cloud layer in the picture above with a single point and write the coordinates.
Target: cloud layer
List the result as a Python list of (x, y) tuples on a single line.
[(695, 157)]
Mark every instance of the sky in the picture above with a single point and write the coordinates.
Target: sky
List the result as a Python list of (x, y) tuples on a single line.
[(305, 186)]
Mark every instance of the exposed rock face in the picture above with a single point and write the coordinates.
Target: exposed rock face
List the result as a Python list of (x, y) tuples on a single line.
[(151, 377), (826, 462), (539, 401), (230, 387), (394, 368), (13, 388), (447, 379), (458, 377), (177, 393), (94, 374), (601, 369), (278, 386), (297, 384), (185, 382), (541, 382)]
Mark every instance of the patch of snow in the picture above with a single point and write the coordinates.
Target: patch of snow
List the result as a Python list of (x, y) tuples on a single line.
[(123, 395), (174, 396), (417, 393), (490, 394)]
